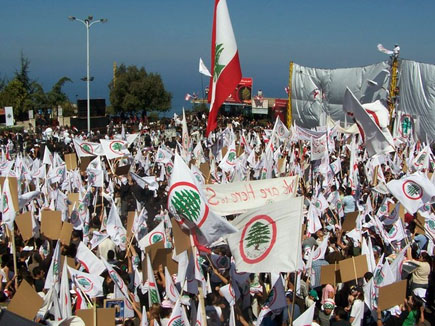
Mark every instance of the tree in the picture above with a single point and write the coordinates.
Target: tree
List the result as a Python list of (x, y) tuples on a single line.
[(258, 234), (187, 204), (134, 89), (56, 97)]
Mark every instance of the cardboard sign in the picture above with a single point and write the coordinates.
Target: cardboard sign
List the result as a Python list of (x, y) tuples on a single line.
[(65, 233), (73, 197), (24, 222), (420, 222), (205, 169), (87, 315), (13, 186), (224, 151), (51, 224), (84, 162), (105, 317), (159, 255), (392, 295), (71, 161), (181, 237), (26, 302), (122, 170), (350, 221), (330, 274), (130, 220), (353, 268)]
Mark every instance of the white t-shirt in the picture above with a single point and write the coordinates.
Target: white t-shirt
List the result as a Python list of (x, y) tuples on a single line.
[(357, 312)]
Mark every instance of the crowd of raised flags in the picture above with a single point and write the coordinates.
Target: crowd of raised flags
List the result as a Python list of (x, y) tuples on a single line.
[(187, 265)]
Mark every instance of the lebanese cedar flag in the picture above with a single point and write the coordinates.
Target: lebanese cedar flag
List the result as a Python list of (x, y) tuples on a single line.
[(225, 65), (90, 284), (153, 291), (88, 260), (413, 191), (371, 124), (263, 233), (306, 318), (64, 295)]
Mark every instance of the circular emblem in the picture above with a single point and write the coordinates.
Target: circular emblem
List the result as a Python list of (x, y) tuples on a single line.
[(412, 190), (280, 131), (176, 321), (431, 225), (258, 238), (85, 283), (198, 177), (87, 148), (4, 165), (184, 200), (116, 147), (115, 277), (169, 168), (74, 217), (5, 203), (231, 157), (156, 237), (392, 233)]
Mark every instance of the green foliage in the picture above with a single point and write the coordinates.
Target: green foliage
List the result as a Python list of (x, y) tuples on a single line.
[(134, 90), (246, 94), (200, 107), (56, 97), (258, 234), (13, 129)]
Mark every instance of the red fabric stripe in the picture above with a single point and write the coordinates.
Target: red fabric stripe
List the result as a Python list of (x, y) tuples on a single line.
[(213, 46), (226, 83), (375, 117)]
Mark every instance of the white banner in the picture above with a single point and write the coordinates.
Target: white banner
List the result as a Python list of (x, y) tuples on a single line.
[(9, 114), (238, 197)]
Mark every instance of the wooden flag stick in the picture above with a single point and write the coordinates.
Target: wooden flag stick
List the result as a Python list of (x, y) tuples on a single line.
[(354, 270)]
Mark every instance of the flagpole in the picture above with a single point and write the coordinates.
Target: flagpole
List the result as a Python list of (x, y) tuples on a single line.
[(14, 253)]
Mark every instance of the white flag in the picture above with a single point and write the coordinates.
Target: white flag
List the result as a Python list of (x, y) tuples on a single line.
[(53, 275), (90, 284), (65, 298), (306, 318), (263, 232), (171, 290), (189, 205), (7, 205), (203, 69), (85, 148), (153, 291), (154, 236), (88, 260), (413, 191), (114, 148), (376, 137)]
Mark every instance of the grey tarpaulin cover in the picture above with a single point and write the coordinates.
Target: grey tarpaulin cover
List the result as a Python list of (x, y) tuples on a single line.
[(317, 92), (8, 318)]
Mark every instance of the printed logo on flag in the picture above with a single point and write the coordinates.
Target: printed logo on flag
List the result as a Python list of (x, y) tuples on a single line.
[(176, 321), (4, 165), (114, 276), (421, 159), (5, 203), (231, 157), (392, 232), (185, 201), (116, 147), (87, 148), (258, 238), (280, 131), (86, 284), (74, 217), (405, 126), (198, 177), (431, 225), (153, 293), (169, 168), (156, 237), (412, 190)]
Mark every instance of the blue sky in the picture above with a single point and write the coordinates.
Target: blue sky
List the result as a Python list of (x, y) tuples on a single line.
[(168, 37)]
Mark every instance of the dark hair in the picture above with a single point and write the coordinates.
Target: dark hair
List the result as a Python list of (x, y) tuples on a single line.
[(36, 271), (110, 255), (368, 276), (341, 313)]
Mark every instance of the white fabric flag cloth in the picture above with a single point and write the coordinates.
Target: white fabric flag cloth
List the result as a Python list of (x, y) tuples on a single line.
[(85, 148), (377, 139), (53, 274), (178, 316), (142, 182), (263, 233), (306, 318), (203, 68), (114, 148), (163, 155), (189, 204), (153, 291), (88, 260), (7, 205), (171, 291), (65, 298), (115, 228), (320, 251), (228, 293), (154, 236), (90, 284), (122, 287), (280, 130), (413, 191), (144, 320)]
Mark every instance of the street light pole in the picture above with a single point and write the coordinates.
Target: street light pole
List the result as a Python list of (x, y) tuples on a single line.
[(88, 23)]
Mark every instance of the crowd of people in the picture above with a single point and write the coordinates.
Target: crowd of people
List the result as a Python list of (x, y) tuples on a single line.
[(115, 213)]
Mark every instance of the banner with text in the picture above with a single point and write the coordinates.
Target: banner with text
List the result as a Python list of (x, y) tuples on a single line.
[(238, 197)]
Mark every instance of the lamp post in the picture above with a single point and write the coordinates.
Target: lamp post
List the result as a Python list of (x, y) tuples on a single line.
[(88, 23)]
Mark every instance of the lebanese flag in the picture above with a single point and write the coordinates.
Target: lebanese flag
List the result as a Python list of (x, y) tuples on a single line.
[(88, 260), (225, 65), (413, 191)]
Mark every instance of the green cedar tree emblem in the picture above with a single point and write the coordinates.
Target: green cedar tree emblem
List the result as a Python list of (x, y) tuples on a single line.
[(231, 156), (187, 203), (178, 322), (412, 189), (156, 238), (86, 148), (154, 296), (257, 235), (406, 126), (117, 146), (84, 283), (217, 67)]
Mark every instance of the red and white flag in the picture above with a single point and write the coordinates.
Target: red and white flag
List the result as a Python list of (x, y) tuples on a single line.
[(413, 191), (225, 62), (370, 123), (88, 260), (90, 284), (263, 232), (189, 205)]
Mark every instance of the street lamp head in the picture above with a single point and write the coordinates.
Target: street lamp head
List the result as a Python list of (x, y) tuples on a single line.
[(72, 18), (103, 20), (90, 18)]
